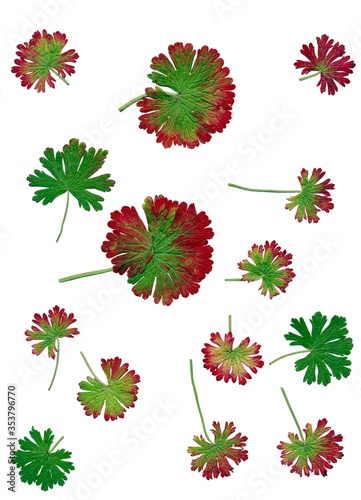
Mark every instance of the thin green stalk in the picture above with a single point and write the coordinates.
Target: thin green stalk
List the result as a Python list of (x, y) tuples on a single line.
[(197, 401), (132, 101), (56, 364), (229, 323), (90, 369), (65, 214), (59, 76), (56, 444), (309, 76), (293, 415), (263, 190), (233, 279), (289, 354), (84, 275)]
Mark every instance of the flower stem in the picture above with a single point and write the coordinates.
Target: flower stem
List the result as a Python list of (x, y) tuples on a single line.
[(230, 323), (65, 214), (293, 415), (233, 279), (56, 444), (132, 101), (197, 400), (309, 76), (56, 364), (289, 354), (90, 369), (59, 76), (84, 275), (263, 190)]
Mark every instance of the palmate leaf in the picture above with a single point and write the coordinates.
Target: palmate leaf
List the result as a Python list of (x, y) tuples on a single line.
[(327, 348), (118, 394), (200, 104), (38, 462), (72, 171), (170, 257)]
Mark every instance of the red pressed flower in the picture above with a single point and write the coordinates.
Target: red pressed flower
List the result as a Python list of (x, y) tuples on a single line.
[(42, 55), (213, 457), (269, 265), (330, 63), (315, 454), (170, 257), (228, 363), (52, 327), (314, 196)]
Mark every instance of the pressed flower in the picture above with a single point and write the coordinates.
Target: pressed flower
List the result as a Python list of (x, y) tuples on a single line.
[(48, 329), (326, 348), (118, 394), (231, 363), (330, 63), (169, 258), (315, 451), (313, 197), (213, 455), (269, 265), (200, 104), (40, 57)]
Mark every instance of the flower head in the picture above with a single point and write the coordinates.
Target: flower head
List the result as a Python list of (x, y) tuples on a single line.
[(53, 326), (212, 457), (330, 62), (313, 198), (39, 56), (231, 363), (316, 454), (269, 265)]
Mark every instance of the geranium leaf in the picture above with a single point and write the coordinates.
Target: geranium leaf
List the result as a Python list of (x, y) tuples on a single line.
[(118, 394), (38, 462), (42, 57), (72, 171)]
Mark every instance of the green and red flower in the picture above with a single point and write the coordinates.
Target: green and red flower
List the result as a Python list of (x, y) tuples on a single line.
[(314, 196), (330, 63), (213, 457), (231, 363), (315, 454), (40, 57)]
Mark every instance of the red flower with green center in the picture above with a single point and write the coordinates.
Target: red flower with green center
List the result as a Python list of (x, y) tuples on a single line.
[(269, 265), (314, 196), (316, 454), (231, 363), (42, 55), (200, 104), (49, 328), (329, 62), (213, 456), (118, 394)]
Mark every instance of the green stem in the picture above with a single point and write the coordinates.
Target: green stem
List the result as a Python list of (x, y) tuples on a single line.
[(263, 190), (65, 214), (229, 323), (293, 415), (56, 364), (56, 444), (132, 101), (289, 354), (233, 279), (90, 369), (84, 275), (197, 400), (59, 76), (309, 76)]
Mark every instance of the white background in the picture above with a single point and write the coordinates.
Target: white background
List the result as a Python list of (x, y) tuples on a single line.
[(144, 455)]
